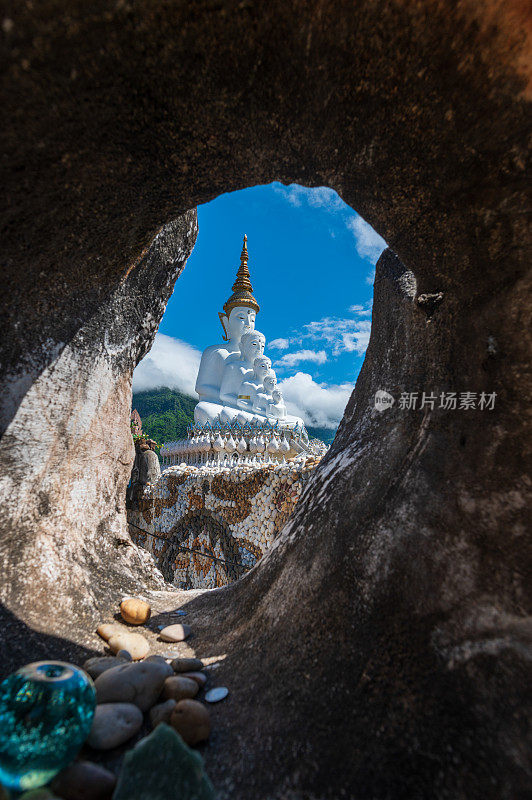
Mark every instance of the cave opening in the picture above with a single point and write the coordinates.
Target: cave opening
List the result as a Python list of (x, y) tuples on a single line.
[(380, 649), (316, 328)]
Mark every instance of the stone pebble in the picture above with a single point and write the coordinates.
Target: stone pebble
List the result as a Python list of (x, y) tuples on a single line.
[(134, 643), (162, 712), (124, 655), (191, 720), (84, 780), (97, 665), (157, 659), (216, 694), (199, 677), (140, 683), (108, 629), (135, 611), (175, 633), (179, 688), (114, 724), (187, 665)]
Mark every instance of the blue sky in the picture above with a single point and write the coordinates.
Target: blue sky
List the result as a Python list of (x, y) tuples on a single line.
[(311, 259)]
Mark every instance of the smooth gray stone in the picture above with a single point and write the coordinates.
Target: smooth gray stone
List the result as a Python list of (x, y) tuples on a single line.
[(175, 633), (83, 780), (187, 665), (199, 677), (162, 712), (216, 694), (114, 724), (140, 683), (125, 655), (97, 665)]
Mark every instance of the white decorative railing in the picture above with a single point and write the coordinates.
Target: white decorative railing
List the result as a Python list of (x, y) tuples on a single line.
[(230, 445)]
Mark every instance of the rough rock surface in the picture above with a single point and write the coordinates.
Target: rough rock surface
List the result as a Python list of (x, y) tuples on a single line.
[(67, 451), (410, 539)]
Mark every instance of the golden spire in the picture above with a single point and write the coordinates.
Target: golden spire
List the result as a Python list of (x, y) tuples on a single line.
[(243, 282), (242, 288)]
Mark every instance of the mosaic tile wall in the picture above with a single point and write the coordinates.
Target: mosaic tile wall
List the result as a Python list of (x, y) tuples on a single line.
[(207, 527)]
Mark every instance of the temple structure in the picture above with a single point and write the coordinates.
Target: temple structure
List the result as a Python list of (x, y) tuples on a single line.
[(241, 414), (229, 487)]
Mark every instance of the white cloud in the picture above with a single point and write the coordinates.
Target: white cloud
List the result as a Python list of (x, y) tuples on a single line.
[(171, 363), (315, 196), (368, 243), (279, 344), (361, 311), (318, 404), (291, 359), (341, 335)]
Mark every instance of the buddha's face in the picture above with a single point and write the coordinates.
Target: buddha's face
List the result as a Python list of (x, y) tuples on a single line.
[(252, 345), (276, 396), (240, 320), (261, 366)]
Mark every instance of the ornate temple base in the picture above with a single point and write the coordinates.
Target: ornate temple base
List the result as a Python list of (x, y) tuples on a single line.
[(233, 444)]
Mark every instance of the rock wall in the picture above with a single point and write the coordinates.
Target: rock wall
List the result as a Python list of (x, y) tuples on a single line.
[(66, 451), (205, 528), (379, 650)]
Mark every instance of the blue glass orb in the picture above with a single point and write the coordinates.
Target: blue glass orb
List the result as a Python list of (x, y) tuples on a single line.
[(46, 712)]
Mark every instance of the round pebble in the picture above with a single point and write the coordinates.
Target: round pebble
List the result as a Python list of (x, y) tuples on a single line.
[(97, 665), (191, 720), (114, 724), (175, 633), (140, 683), (217, 694), (135, 611), (124, 655), (199, 677), (179, 688), (187, 664), (108, 629), (83, 780), (134, 643), (162, 712)]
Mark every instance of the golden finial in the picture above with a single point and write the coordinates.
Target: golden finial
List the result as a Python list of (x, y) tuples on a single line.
[(243, 282), (242, 288)]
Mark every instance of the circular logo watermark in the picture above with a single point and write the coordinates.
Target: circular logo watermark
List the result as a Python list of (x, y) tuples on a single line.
[(383, 400)]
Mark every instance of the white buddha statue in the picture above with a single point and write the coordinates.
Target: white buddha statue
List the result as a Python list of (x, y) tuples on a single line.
[(238, 317), (264, 395), (277, 407), (240, 367), (235, 380), (247, 394)]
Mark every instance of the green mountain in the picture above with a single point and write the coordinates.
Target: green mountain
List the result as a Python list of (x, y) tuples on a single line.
[(165, 414)]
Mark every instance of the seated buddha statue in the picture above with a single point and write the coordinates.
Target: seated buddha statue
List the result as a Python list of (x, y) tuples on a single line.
[(247, 393), (235, 380), (264, 395), (240, 367), (238, 317), (277, 407)]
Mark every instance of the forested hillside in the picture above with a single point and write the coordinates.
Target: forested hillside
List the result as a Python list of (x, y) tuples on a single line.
[(165, 414)]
